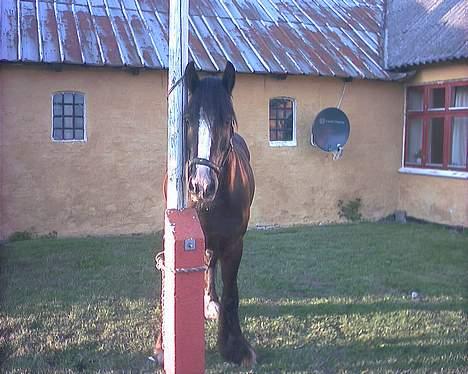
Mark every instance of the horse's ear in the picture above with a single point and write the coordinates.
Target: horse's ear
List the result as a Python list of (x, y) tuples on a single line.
[(191, 77), (229, 77)]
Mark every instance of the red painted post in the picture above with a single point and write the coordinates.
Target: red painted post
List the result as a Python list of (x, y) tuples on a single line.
[(183, 322)]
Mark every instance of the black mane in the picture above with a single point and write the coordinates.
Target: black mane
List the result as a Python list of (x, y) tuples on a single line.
[(211, 95)]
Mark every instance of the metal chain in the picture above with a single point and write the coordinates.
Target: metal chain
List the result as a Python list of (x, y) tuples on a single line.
[(159, 259)]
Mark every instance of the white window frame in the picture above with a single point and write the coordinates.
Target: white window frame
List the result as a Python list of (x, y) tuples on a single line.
[(85, 136), (283, 143)]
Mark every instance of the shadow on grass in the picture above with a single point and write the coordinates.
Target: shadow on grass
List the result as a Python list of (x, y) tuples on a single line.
[(86, 357), (302, 308), (403, 355)]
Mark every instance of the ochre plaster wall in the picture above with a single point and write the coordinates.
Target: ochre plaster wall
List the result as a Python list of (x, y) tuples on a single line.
[(434, 198), (303, 184), (112, 183)]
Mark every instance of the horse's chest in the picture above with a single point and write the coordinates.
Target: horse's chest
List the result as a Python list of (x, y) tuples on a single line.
[(221, 222)]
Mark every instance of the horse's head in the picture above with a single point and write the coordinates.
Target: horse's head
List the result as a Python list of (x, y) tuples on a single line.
[(210, 122)]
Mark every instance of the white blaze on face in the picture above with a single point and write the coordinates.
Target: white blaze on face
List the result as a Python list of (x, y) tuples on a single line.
[(204, 140)]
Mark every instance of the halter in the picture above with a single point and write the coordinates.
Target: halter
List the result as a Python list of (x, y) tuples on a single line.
[(210, 164)]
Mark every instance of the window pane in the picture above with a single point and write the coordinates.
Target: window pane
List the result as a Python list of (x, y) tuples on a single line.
[(415, 100), (68, 135), (285, 135), (68, 110), (458, 154), (79, 99), (414, 142), (460, 97), (58, 99), (78, 110), (78, 123), (435, 142), (57, 110), (437, 98), (79, 134), (58, 134), (68, 98), (58, 122), (68, 122)]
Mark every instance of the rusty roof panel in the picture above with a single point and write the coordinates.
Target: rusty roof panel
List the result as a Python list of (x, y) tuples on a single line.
[(426, 31), (9, 42), (87, 36), (313, 37), (70, 49), (49, 41), (29, 32), (106, 37)]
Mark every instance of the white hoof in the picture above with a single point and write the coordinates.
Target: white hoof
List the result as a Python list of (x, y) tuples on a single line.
[(211, 309)]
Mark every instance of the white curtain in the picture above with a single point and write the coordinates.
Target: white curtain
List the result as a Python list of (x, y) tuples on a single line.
[(460, 129), (415, 141)]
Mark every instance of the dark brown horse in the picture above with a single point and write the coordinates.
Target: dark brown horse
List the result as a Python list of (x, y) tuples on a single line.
[(221, 188)]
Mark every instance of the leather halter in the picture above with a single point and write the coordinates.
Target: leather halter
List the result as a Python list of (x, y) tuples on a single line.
[(210, 164)]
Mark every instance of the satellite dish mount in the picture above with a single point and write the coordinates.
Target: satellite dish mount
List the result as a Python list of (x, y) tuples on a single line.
[(330, 131)]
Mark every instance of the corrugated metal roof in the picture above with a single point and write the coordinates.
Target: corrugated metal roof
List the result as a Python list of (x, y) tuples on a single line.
[(313, 37), (426, 31)]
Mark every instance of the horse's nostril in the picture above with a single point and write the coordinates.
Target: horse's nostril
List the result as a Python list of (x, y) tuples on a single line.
[(193, 187), (210, 190)]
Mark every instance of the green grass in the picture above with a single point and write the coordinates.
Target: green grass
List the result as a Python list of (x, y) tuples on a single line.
[(313, 299)]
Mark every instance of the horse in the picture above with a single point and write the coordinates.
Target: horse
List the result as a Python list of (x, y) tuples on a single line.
[(221, 188)]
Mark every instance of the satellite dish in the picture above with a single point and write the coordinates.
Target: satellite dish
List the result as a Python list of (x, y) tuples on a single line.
[(330, 131)]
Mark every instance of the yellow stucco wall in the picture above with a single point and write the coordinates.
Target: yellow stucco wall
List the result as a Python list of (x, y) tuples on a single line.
[(108, 185), (435, 198), (111, 183)]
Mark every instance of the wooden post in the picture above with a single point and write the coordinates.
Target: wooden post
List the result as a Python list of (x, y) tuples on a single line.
[(178, 59), (184, 242)]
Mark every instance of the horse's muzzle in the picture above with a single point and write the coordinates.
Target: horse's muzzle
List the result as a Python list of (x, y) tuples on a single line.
[(203, 184)]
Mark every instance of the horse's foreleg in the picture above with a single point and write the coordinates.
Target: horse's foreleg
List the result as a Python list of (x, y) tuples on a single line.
[(211, 298), (232, 344)]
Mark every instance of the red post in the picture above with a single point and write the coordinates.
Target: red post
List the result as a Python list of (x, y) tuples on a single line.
[(183, 322)]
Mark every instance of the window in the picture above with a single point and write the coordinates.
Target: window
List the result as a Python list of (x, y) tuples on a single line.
[(437, 126), (68, 117), (282, 122)]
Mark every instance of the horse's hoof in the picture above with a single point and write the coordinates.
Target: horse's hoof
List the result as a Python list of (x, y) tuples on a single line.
[(250, 361), (158, 357), (212, 310)]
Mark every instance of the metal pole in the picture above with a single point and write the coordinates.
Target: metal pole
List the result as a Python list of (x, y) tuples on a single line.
[(178, 59)]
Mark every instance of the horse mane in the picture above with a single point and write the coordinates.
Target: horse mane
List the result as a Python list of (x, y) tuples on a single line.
[(211, 95)]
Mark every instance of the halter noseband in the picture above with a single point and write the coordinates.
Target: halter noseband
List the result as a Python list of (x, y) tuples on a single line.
[(210, 164)]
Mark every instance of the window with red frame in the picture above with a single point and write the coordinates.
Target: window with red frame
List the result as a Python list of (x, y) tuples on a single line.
[(437, 126)]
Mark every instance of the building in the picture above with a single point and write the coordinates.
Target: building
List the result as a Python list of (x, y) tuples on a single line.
[(83, 88)]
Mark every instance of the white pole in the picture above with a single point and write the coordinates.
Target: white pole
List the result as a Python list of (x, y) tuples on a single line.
[(178, 59)]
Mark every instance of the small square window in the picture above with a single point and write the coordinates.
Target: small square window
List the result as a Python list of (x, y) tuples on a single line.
[(68, 116), (281, 121)]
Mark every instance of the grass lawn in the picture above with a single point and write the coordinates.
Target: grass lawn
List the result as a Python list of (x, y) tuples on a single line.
[(313, 299)]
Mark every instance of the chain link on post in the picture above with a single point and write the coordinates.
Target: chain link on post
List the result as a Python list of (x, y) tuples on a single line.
[(159, 259)]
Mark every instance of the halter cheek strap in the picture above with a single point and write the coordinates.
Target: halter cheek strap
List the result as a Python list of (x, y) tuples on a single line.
[(210, 164)]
